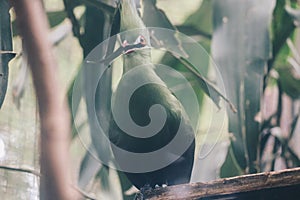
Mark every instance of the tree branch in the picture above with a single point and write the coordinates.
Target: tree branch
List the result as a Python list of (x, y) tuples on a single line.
[(54, 116), (263, 184)]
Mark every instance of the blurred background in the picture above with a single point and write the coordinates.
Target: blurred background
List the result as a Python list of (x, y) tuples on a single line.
[(255, 46)]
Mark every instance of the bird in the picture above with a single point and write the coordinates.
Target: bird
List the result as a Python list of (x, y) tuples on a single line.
[(151, 103)]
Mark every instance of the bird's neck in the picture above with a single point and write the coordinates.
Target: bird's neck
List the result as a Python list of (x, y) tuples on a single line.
[(131, 21), (130, 18), (137, 58)]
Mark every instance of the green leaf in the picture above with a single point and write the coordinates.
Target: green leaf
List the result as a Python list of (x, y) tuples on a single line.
[(290, 83), (154, 17), (231, 167), (6, 53), (97, 96), (54, 18), (286, 17), (282, 28), (97, 92), (241, 48), (199, 25), (200, 22), (89, 168), (170, 60)]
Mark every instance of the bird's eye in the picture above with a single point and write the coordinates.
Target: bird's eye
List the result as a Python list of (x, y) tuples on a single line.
[(142, 40)]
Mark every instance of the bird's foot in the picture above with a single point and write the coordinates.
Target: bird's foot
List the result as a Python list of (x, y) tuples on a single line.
[(143, 190), (147, 189)]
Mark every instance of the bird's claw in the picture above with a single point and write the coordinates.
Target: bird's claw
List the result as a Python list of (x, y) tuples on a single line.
[(143, 190), (146, 188)]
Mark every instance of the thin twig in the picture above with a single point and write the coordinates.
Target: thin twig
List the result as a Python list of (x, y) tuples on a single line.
[(20, 169)]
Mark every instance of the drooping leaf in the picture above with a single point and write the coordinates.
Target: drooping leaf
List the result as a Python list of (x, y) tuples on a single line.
[(155, 17), (6, 53), (188, 28), (241, 48), (192, 60)]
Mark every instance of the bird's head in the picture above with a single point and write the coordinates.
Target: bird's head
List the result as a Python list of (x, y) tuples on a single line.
[(139, 43)]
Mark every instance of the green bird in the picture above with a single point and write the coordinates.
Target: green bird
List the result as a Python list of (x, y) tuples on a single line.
[(151, 135)]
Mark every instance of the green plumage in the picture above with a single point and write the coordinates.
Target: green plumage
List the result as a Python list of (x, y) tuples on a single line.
[(138, 69)]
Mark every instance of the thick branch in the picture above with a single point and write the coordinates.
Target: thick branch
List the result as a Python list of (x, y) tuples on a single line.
[(54, 116), (267, 182)]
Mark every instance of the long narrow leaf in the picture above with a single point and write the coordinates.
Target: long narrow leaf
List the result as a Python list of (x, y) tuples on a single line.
[(241, 47)]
